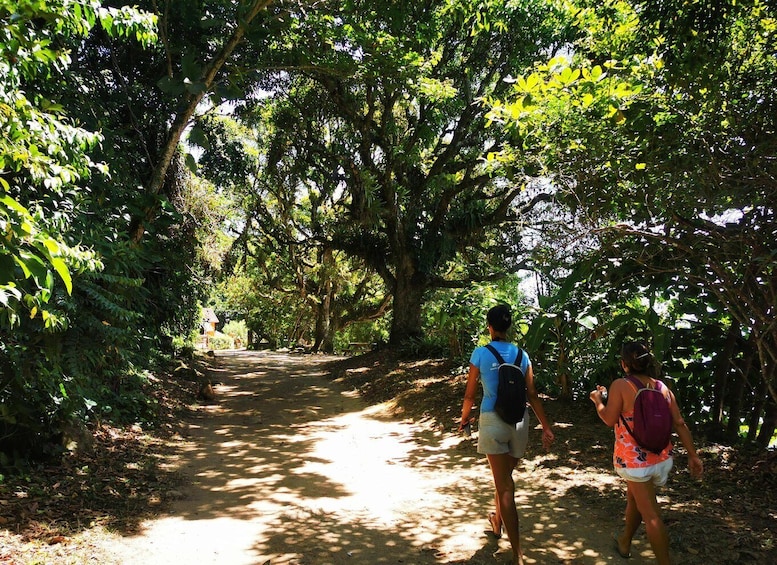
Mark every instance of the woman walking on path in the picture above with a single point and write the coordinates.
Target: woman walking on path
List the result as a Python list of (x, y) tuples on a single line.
[(503, 444), (643, 470)]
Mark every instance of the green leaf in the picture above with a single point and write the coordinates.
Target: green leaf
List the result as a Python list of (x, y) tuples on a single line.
[(169, 85), (588, 322), (14, 205), (191, 163), (33, 266), (197, 136), (528, 84), (569, 76), (194, 87), (64, 273)]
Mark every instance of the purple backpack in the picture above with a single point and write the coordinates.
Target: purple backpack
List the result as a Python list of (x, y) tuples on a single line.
[(652, 418)]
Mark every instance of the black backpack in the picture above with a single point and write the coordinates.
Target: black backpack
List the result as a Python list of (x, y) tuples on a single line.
[(511, 391)]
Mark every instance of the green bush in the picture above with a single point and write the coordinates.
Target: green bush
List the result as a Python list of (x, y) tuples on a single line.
[(220, 341), (427, 347), (238, 331)]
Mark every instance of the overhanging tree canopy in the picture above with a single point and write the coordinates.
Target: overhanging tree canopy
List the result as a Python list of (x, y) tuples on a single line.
[(385, 104), (663, 132)]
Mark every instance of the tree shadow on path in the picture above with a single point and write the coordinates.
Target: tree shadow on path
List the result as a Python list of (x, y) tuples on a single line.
[(287, 467)]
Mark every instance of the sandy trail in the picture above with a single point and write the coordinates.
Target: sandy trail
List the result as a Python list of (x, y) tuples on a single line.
[(289, 468)]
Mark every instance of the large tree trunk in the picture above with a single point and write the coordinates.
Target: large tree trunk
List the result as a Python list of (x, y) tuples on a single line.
[(722, 371), (326, 327), (767, 354), (769, 425), (757, 410), (406, 313), (323, 305), (736, 391), (322, 325)]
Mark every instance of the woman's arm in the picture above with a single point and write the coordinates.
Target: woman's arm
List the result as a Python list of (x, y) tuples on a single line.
[(536, 404), (695, 466), (469, 395), (610, 412)]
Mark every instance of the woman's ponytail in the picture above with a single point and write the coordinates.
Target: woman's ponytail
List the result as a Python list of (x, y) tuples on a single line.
[(639, 359)]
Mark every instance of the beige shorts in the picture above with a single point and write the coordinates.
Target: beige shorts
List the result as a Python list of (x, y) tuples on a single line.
[(658, 473), (496, 437)]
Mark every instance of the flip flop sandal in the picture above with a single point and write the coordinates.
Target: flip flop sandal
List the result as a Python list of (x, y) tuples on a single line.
[(618, 547), (493, 532)]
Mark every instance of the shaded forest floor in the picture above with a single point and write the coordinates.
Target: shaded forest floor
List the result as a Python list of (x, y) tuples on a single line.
[(64, 512)]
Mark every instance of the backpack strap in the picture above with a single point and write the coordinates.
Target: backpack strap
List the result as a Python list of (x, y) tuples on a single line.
[(500, 360), (493, 350), (636, 384)]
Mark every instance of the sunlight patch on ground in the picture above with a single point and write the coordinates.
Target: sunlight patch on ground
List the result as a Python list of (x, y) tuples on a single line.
[(368, 460), (194, 542)]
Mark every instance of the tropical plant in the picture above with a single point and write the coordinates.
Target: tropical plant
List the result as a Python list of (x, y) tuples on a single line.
[(662, 132), (47, 269)]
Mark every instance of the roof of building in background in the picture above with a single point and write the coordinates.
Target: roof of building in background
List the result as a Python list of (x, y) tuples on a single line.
[(208, 315)]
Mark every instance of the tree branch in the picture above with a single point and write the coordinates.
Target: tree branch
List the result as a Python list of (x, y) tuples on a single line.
[(192, 100)]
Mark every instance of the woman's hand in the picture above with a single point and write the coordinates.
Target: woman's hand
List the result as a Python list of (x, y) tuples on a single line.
[(597, 393), (695, 466), (610, 412), (548, 437)]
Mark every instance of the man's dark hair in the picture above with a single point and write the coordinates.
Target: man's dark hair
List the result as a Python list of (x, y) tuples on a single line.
[(500, 317)]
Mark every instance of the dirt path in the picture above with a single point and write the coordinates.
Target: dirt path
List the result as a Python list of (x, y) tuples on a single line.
[(289, 468)]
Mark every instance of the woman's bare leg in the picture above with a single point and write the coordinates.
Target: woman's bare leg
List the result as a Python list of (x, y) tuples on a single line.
[(495, 518), (502, 466), (644, 495), (632, 521)]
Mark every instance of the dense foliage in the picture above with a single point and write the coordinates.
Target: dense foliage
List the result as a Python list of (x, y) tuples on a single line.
[(86, 301), (67, 326), (382, 172), (667, 161)]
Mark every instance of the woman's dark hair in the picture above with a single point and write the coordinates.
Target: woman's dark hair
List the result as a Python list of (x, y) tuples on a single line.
[(500, 317), (638, 359)]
